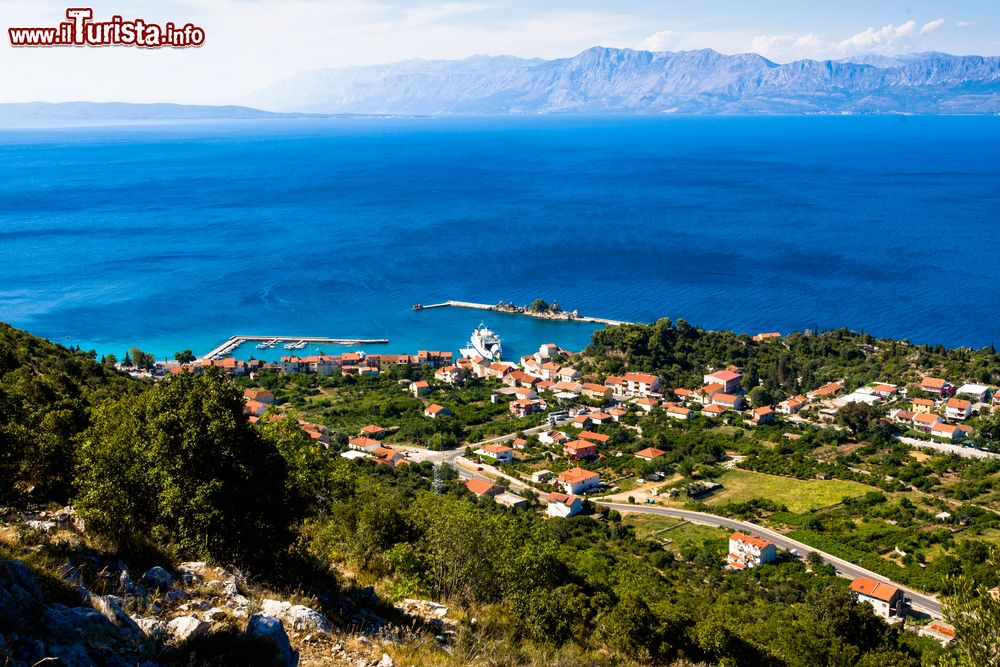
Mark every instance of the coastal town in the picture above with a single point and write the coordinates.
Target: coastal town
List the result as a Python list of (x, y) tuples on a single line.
[(579, 442)]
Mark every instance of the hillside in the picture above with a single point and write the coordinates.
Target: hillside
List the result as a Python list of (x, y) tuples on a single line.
[(605, 80)]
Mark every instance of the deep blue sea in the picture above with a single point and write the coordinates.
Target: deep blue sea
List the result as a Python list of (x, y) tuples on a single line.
[(178, 236)]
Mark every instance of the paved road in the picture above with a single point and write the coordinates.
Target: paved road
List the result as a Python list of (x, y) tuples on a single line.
[(920, 601), (961, 450)]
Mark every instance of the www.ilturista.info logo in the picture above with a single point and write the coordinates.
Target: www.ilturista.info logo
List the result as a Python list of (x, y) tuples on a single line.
[(82, 30)]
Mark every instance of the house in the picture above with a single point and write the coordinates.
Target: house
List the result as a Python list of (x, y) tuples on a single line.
[(884, 390), (791, 406), (511, 500), (859, 396), (578, 480), (704, 394), (647, 403), (826, 391), (617, 413), (762, 415), (888, 601), (499, 453), (388, 455), (926, 420), (540, 476), (579, 449), (563, 505), (500, 369), (254, 408), (419, 387), (568, 374), (364, 444), (582, 421), (481, 487), (434, 411), (522, 393), (949, 431), (749, 551), (939, 631), (523, 407), (976, 391), (601, 418), (649, 453), (957, 408), (713, 410), (902, 416), (925, 405), (677, 411), (550, 371), (729, 401), (567, 387), (598, 438), (519, 378), (730, 380), (433, 358), (553, 438), (547, 350), (450, 374), (519, 443), (373, 431), (641, 384), (597, 392), (771, 335), (259, 395), (936, 386), (616, 384), (682, 394)]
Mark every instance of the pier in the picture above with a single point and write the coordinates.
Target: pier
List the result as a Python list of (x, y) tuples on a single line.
[(562, 317), (298, 342)]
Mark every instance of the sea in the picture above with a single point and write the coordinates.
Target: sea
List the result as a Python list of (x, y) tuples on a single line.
[(178, 236)]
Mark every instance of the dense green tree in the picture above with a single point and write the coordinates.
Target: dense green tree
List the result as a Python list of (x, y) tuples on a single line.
[(184, 356), (181, 462)]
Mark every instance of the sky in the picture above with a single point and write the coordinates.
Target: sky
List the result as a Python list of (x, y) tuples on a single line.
[(252, 43)]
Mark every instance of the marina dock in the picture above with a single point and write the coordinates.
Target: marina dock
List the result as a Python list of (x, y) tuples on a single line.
[(485, 306), (298, 342)]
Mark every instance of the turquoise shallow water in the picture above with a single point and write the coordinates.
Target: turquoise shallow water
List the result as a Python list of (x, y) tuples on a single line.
[(174, 236)]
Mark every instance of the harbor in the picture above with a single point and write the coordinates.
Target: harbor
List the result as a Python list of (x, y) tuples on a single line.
[(510, 309), (291, 343)]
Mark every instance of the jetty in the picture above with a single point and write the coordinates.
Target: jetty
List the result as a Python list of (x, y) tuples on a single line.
[(298, 342), (562, 316)]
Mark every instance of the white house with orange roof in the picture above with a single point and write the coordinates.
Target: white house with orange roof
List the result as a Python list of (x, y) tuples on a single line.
[(563, 505), (419, 387), (887, 600), (949, 431), (957, 408), (792, 405), (647, 403), (826, 391), (678, 411), (499, 453), (481, 487), (762, 415), (936, 386), (730, 380), (641, 384), (550, 371), (714, 411), (763, 337), (450, 374), (750, 551), (364, 444), (434, 411), (729, 401), (926, 420), (649, 453), (578, 480)]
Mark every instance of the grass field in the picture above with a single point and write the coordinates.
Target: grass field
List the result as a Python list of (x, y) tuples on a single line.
[(649, 526), (798, 495)]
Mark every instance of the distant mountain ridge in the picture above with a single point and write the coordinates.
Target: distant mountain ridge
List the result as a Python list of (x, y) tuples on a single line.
[(607, 80)]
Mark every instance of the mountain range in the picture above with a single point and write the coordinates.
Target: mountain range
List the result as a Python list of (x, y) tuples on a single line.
[(606, 80)]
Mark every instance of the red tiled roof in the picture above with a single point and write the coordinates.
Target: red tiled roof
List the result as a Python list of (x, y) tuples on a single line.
[(873, 589)]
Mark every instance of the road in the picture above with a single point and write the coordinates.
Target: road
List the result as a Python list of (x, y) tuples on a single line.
[(469, 470), (920, 601), (945, 448)]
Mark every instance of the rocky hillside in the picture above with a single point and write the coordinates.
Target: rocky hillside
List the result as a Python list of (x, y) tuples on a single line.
[(65, 603), (604, 80)]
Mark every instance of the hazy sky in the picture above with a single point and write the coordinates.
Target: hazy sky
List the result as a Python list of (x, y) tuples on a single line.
[(251, 43)]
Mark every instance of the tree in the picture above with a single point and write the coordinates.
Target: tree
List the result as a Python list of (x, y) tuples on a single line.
[(182, 462), (975, 613), (127, 361), (109, 360), (760, 396), (184, 356), (538, 306), (861, 419)]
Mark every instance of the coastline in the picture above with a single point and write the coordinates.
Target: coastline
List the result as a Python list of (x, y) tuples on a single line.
[(510, 309)]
